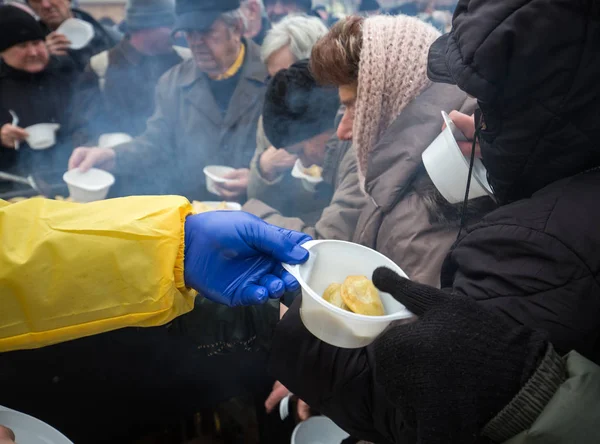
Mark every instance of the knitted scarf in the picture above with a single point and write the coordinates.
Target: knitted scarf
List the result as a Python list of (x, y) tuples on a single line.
[(392, 72)]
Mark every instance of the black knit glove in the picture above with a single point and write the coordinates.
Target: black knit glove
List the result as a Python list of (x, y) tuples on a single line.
[(456, 367)]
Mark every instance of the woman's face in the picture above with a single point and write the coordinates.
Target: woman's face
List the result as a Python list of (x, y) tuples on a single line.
[(29, 56), (348, 99), (280, 59)]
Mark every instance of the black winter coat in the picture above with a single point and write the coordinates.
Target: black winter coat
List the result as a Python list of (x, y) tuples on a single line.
[(44, 97)]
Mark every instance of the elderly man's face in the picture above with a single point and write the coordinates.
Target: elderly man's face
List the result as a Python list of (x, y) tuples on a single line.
[(52, 12), (215, 50), (311, 151), (28, 56)]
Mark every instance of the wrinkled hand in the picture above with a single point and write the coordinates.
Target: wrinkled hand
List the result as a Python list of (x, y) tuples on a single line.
[(58, 44), (86, 158), (6, 435), (10, 135), (456, 367), (234, 258), (278, 393), (236, 185), (273, 162), (466, 124)]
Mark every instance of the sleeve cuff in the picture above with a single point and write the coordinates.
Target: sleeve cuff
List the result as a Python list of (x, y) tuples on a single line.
[(531, 400), (185, 211)]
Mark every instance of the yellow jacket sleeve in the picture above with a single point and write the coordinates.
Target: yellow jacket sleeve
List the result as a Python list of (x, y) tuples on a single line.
[(70, 270)]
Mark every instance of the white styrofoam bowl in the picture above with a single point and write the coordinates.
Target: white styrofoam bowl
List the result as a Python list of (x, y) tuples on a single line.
[(30, 430), (332, 261), (110, 140), (42, 135), (90, 186), (318, 430), (79, 32), (448, 168), (214, 174), (308, 182)]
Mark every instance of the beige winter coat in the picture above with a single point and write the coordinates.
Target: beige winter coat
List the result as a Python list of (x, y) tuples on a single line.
[(396, 220), (338, 219)]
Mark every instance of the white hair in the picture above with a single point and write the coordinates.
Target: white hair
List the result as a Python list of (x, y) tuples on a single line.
[(260, 3), (235, 19), (300, 32)]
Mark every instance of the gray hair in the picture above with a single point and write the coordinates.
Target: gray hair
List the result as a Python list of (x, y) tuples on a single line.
[(261, 4), (235, 19), (300, 32)]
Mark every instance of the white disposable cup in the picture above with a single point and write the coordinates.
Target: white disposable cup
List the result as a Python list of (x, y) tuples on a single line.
[(318, 430), (332, 261), (30, 430), (42, 135), (110, 140), (448, 168), (308, 182), (230, 206), (214, 174), (79, 32), (90, 186)]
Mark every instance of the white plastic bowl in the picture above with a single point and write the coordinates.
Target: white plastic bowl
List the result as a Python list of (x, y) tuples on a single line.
[(332, 261), (42, 135), (79, 32), (308, 182), (110, 140), (89, 186), (448, 168), (214, 174), (318, 430), (30, 430)]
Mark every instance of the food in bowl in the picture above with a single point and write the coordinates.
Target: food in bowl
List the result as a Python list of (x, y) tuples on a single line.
[(21, 198), (313, 171), (357, 294)]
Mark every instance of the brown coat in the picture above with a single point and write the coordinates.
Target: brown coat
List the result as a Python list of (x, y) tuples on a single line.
[(338, 219), (188, 131), (396, 221), (286, 193)]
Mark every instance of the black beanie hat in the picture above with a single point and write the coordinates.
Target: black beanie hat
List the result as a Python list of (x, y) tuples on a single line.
[(296, 108), (17, 26)]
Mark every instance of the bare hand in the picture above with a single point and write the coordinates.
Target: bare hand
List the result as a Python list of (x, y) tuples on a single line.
[(273, 162), (86, 158), (57, 43), (6, 435), (236, 185), (278, 393), (466, 124), (11, 134)]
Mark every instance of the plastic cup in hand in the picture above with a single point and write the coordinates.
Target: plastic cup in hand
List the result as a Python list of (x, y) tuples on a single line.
[(79, 32), (308, 182), (42, 135), (448, 168), (318, 430), (110, 140), (333, 261), (90, 186), (214, 174)]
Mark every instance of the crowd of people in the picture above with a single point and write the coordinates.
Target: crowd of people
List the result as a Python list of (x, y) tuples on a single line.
[(505, 287)]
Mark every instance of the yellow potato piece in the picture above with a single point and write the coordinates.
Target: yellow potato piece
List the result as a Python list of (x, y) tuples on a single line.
[(333, 295), (361, 296), (314, 171)]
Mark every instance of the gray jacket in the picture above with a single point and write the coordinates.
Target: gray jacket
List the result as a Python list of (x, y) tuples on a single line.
[(188, 131), (397, 220)]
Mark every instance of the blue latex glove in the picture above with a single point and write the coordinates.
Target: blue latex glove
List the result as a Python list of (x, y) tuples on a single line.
[(234, 258)]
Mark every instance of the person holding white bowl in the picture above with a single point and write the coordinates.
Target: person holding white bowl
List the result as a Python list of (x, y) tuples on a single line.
[(34, 88)]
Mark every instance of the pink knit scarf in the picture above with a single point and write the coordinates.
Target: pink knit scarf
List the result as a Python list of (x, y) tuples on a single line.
[(391, 73)]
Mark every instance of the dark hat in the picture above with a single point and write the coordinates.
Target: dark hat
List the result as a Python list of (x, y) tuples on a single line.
[(437, 68), (146, 14), (296, 108), (201, 14), (369, 5), (17, 26)]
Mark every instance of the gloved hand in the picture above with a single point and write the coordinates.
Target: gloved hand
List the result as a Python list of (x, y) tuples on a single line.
[(456, 367), (234, 258)]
